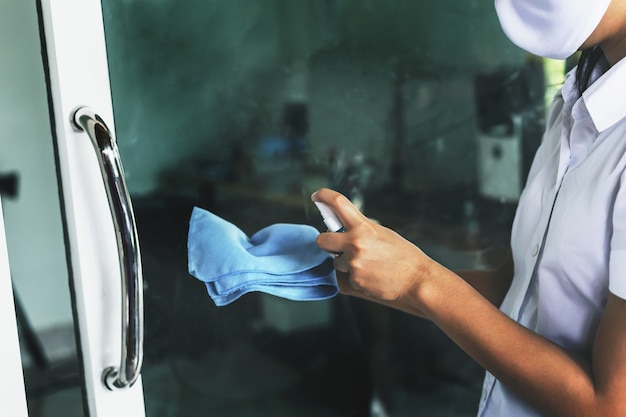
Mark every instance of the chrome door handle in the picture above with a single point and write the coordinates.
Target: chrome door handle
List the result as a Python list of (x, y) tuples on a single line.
[(85, 119)]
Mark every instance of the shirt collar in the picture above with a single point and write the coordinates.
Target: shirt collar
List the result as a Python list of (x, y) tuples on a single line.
[(605, 99)]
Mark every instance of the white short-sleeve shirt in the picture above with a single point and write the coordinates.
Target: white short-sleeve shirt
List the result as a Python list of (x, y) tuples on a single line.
[(569, 233)]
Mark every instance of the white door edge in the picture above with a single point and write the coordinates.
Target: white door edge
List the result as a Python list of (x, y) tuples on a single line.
[(78, 75)]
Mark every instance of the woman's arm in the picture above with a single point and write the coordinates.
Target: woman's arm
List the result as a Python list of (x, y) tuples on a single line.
[(377, 263), (552, 379), (492, 284)]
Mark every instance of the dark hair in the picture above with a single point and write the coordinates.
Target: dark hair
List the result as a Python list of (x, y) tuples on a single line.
[(589, 58)]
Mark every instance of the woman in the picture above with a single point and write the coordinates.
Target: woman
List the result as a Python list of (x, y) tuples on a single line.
[(556, 346)]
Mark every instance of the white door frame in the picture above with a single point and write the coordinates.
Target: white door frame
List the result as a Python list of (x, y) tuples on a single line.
[(77, 76)]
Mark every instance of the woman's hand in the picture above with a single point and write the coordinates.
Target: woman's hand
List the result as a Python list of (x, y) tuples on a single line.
[(372, 259)]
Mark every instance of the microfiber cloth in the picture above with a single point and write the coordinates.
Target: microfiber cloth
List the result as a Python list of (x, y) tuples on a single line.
[(282, 259)]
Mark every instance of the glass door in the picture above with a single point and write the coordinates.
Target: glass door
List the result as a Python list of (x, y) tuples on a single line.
[(421, 112)]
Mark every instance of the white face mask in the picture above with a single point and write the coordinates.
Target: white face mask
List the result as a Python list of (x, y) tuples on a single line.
[(550, 28)]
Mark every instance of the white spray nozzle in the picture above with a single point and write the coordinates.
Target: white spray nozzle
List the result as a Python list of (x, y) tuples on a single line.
[(330, 219)]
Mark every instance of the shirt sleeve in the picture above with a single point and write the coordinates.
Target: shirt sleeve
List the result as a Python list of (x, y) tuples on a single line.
[(617, 265)]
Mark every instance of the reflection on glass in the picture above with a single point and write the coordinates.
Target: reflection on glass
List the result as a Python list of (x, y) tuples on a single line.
[(421, 112)]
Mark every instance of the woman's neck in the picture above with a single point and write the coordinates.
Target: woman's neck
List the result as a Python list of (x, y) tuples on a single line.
[(611, 33)]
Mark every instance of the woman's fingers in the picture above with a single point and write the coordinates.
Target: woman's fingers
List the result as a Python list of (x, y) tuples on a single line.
[(332, 242), (343, 280), (374, 259), (347, 287), (341, 264), (347, 213)]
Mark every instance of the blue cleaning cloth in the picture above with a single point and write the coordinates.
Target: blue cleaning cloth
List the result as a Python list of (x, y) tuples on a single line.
[(282, 259)]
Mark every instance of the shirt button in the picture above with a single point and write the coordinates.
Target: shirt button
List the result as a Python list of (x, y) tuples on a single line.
[(535, 250)]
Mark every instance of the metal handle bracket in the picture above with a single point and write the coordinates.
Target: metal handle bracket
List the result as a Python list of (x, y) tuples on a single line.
[(124, 376)]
